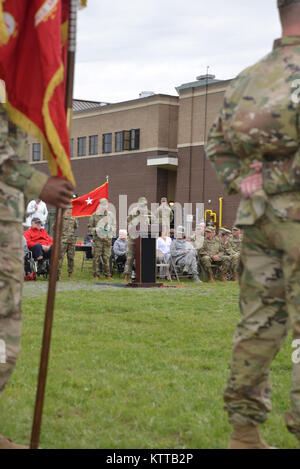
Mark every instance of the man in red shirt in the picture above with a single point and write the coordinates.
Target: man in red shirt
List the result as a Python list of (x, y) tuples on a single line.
[(39, 242)]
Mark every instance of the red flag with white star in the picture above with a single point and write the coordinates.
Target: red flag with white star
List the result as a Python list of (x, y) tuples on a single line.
[(87, 204)]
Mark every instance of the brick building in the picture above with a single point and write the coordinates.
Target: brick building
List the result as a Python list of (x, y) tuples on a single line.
[(151, 146)]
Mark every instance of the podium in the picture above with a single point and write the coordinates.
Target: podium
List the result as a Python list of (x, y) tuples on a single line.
[(145, 262)]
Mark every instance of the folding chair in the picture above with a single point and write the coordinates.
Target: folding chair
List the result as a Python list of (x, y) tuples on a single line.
[(163, 265)]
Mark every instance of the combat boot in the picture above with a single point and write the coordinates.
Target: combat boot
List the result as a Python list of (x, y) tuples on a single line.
[(235, 277), (247, 437), (127, 278), (210, 277), (196, 279), (70, 274), (223, 277), (6, 443), (96, 277)]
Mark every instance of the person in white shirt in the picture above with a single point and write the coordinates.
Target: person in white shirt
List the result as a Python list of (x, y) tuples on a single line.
[(36, 209), (163, 244)]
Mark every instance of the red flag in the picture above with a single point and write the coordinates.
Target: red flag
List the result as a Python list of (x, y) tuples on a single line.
[(33, 36), (87, 204)]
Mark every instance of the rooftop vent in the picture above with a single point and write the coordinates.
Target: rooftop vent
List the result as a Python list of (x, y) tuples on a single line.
[(205, 77), (146, 94)]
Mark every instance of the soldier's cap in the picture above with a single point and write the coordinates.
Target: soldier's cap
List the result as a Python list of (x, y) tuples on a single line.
[(224, 230), (235, 228), (210, 229), (103, 202), (142, 201), (36, 220), (180, 229), (283, 3), (164, 199)]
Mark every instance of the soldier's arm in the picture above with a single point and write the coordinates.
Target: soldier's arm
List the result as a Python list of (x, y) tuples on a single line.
[(15, 172), (92, 226), (219, 151)]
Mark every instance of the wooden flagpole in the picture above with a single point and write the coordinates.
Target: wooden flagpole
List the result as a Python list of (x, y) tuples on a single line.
[(40, 394)]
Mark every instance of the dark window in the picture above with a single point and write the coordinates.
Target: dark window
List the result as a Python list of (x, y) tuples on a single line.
[(106, 143), (93, 145), (134, 139), (72, 147), (126, 140), (36, 152), (81, 146), (119, 141)]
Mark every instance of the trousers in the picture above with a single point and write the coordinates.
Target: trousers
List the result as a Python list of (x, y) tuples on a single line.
[(270, 305)]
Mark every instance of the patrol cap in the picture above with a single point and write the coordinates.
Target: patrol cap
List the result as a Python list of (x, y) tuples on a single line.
[(283, 3), (142, 201), (224, 230), (210, 229), (164, 199), (235, 228), (103, 201), (180, 229), (36, 220)]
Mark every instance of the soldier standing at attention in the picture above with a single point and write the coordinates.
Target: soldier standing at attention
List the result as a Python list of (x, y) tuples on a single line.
[(102, 226), (17, 179), (68, 240), (254, 147), (228, 248), (139, 217)]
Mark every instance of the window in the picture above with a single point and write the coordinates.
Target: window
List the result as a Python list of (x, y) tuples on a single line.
[(81, 146), (72, 147), (36, 152), (134, 139), (119, 141), (106, 143), (127, 140), (93, 145)]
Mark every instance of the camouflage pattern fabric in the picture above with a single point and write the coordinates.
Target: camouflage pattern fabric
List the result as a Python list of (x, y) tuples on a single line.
[(144, 217), (213, 247), (269, 301), (187, 261), (102, 227), (229, 251), (259, 122), (17, 180), (68, 240)]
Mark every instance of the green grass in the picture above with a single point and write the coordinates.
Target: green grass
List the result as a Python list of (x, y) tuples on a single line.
[(133, 368)]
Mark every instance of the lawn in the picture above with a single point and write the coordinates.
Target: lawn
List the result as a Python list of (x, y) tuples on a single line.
[(142, 368)]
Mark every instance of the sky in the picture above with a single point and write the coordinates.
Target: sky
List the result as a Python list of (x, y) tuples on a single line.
[(125, 47)]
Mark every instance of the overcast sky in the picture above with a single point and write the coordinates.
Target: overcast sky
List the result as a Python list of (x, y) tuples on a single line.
[(125, 47)]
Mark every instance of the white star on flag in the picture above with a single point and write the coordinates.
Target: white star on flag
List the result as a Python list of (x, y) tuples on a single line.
[(89, 201)]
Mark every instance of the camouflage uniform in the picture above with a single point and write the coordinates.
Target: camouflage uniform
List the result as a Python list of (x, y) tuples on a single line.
[(260, 122), (213, 247), (230, 250), (102, 227), (68, 240), (141, 214), (17, 179)]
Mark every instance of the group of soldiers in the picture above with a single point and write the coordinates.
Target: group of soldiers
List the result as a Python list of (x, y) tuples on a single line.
[(217, 253)]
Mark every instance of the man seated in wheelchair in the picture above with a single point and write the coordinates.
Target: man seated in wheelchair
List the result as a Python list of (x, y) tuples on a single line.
[(29, 263), (184, 255), (119, 250), (40, 245)]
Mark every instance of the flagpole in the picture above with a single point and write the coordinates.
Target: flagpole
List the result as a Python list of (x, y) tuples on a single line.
[(40, 394)]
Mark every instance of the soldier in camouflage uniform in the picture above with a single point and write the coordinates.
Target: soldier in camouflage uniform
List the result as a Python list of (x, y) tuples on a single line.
[(254, 147), (164, 216), (212, 252), (102, 226), (68, 241), (230, 251), (139, 217), (17, 179)]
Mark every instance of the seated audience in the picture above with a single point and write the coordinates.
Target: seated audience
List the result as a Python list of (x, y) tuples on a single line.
[(184, 255), (38, 242), (212, 252), (119, 247), (163, 245)]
